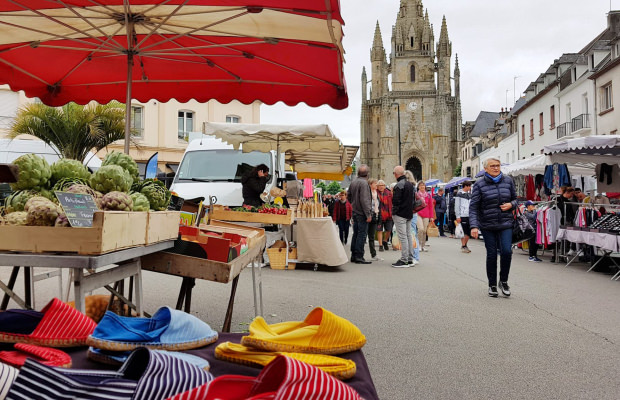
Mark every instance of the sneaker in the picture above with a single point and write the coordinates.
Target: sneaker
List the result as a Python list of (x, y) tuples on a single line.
[(380, 248), (385, 245), (413, 263), (424, 248), (534, 259), (400, 264), (375, 258), (504, 288), (493, 291), (465, 249)]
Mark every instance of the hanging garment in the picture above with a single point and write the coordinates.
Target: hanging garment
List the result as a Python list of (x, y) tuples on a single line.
[(608, 178), (530, 188), (308, 190)]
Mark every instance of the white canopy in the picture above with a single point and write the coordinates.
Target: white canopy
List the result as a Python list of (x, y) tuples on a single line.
[(536, 165), (590, 149), (323, 164), (282, 138)]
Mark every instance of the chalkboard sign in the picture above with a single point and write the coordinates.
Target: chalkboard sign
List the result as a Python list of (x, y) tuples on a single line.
[(79, 208)]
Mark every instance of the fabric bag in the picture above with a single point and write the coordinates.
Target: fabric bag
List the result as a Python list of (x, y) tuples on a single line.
[(458, 232), (522, 228), (419, 203), (432, 230), (395, 242)]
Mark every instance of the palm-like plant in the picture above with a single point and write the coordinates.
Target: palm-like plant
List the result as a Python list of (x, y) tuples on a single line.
[(73, 130)]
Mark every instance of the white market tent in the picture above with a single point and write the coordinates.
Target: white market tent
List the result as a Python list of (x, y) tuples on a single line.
[(311, 150), (536, 165), (590, 149)]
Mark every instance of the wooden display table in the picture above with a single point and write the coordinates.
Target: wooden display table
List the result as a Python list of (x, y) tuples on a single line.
[(192, 268)]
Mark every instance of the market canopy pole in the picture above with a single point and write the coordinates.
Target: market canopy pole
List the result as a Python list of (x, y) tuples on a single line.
[(130, 52)]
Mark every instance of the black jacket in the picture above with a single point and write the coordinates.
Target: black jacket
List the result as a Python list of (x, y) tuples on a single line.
[(486, 197), (440, 204), (253, 187), (403, 198)]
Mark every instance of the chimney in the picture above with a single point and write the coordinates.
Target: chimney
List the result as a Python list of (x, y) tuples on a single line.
[(613, 21)]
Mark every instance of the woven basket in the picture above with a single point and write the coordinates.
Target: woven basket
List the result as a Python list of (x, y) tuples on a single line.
[(292, 254), (277, 255)]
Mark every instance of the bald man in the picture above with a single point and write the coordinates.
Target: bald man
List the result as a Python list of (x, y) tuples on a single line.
[(402, 212)]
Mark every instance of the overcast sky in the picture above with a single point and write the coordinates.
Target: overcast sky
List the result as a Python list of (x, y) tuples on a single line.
[(496, 40)]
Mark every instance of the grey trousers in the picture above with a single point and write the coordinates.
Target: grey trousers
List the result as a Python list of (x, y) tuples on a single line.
[(403, 229)]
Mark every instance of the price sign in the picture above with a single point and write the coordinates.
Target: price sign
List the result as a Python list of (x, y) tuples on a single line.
[(79, 208)]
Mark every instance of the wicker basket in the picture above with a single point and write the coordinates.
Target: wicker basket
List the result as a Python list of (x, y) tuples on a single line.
[(292, 254), (277, 255)]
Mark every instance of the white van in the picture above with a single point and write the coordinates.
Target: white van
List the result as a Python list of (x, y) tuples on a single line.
[(211, 167), (10, 149)]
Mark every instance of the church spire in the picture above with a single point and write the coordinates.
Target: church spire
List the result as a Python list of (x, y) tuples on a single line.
[(379, 66), (377, 43), (444, 48), (457, 79), (364, 85)]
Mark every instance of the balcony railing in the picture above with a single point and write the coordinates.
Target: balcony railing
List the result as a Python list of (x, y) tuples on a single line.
[(563, 130), (580, 122)]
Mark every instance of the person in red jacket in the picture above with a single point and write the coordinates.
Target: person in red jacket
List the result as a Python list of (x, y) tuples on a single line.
[(342, 216), (385, 225)]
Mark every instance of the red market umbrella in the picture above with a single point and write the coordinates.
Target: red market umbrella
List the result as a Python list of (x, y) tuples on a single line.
[(102, 50)]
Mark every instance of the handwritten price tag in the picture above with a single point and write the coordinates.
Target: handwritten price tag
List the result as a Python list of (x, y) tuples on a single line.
[(79, 208)]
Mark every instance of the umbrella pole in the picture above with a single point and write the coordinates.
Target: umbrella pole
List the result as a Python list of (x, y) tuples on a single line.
[(128, 102)]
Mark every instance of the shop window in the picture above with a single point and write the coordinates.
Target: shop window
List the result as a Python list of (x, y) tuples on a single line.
[(137, 121), (233, 119)]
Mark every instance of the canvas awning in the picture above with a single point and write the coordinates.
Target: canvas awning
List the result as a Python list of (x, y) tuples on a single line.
[(327, 165), (457, 181), (536, 165), (282, 138), (590, 149)]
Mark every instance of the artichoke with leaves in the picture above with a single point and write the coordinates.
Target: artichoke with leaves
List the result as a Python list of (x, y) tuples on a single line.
[(34, 172), (157, 194), (17, 200), (124, 161), (68, 168), (140, 202), (111, 178)]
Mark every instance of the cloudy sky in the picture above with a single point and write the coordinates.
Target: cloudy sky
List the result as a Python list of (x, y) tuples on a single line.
[(496, 40)]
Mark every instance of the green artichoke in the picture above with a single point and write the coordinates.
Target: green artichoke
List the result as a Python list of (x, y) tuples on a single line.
[(65, 183), (157, 194), (17, 200), (68, 168), (123, 160), (34, 172), (140, 202), (111, 178), (117, 201)]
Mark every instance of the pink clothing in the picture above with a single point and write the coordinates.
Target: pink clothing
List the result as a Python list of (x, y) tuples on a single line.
[(308, 191), (427, 212)]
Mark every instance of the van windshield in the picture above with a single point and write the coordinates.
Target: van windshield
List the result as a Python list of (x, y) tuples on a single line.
[(219, 165)]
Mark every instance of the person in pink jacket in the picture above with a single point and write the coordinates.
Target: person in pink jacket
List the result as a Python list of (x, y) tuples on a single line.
[(425, 215)]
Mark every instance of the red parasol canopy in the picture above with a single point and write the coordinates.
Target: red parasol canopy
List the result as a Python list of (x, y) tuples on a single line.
[(102, 50)]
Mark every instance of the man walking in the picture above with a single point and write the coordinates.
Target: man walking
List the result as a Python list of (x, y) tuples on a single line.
[(461, 208), (402, 212), (359, 196), (440, 210)]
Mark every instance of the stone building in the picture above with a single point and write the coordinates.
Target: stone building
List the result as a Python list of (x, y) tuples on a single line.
[(419, 112)]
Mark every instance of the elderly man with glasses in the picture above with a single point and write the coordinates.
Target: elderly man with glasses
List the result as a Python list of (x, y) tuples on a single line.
[(490, 211)]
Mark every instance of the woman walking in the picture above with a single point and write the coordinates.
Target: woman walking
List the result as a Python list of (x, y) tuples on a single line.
[(385, 225), (490, 212), (372, 225), (425, 215)]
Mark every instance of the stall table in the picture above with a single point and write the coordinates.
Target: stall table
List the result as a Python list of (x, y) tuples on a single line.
[(361, 382), (122, 264), (192, 268), (608, 243), (318, 242)]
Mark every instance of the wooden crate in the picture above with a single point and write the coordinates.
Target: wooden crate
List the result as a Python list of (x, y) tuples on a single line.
[(253, 235), (226, 215), (162, 225), (111, 230)]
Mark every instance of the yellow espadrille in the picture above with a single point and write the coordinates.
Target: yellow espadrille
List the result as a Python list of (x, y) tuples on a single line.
[(337, 367), (322, 332)]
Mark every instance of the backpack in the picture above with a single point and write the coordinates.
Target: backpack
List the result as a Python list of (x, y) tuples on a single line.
[(419, 203)]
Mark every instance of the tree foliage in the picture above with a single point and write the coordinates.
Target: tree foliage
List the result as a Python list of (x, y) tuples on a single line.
[(73, 130), (323, 186), (458, 169), (334, 188)]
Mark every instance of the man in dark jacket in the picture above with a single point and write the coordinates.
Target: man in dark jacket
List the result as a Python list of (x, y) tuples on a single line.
[(440, 210), (490, 211), (360, 198), (452, 213), (402, 212), (253, 185)]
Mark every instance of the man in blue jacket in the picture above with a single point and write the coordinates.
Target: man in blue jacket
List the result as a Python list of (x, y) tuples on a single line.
[(490, 211)]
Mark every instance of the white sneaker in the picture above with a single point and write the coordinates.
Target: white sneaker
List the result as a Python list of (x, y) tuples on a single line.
[(424, 248), (571, 253), (413, 263), (375, 258)]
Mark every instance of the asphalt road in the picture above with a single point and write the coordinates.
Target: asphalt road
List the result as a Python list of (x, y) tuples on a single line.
[(432, 331)]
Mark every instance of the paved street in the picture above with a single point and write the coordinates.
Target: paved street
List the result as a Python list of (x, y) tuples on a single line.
[(433, 333)]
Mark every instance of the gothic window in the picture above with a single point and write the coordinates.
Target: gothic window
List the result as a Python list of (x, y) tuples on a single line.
[(412, 73), (411, 39)]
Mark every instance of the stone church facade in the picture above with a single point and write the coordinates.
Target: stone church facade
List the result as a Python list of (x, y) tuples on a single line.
[(420, 98)]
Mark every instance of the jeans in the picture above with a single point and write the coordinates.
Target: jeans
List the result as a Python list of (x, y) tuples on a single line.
[(414, 230), (403, 229), (492, 241), (360, 231), (440, 221), (372, 231), (343, 228)]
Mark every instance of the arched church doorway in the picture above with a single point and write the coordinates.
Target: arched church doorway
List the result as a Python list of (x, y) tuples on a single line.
[(415, 166)]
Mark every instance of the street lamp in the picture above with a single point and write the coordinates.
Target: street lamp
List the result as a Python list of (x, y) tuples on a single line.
[(400, 161)]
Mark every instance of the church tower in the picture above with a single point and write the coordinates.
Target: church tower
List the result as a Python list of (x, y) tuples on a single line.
[(416, 122)]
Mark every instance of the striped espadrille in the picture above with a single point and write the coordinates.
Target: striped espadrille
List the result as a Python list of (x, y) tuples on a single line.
[(118, 358), (59, 326), (45, 355), (7, 376)]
